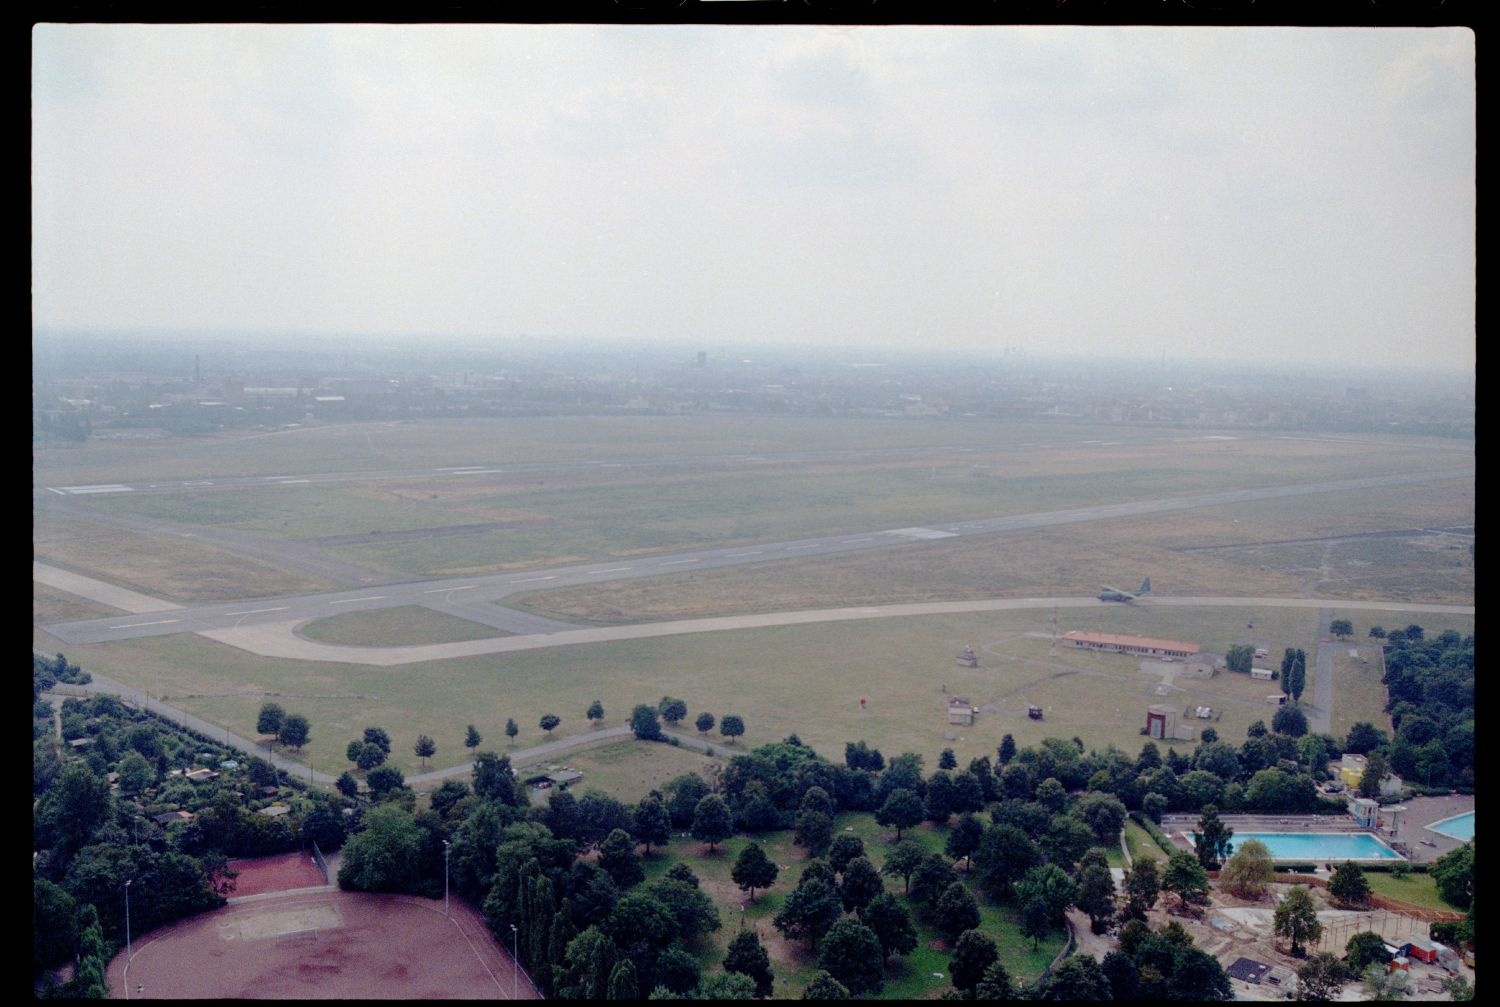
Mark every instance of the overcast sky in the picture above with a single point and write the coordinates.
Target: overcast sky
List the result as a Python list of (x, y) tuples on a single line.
[(1262, 194)]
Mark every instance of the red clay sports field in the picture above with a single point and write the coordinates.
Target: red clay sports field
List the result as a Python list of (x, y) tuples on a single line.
[(319, 943)]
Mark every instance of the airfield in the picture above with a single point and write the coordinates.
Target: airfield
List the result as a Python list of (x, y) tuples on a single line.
[(992, 537)]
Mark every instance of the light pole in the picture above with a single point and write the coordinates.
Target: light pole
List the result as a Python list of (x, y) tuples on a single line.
[(445, 877), (515, 961)]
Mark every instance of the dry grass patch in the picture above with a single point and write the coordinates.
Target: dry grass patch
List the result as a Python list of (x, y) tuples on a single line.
[(627, 770), (396, 627), (166, 566)]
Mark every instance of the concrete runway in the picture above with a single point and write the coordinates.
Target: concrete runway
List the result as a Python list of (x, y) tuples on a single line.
[(473, 592)]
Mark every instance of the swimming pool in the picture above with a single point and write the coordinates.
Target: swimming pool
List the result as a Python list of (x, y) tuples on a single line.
[(1458, 827), (1319, 846)]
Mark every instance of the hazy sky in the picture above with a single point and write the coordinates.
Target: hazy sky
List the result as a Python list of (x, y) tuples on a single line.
[(1294, 194)]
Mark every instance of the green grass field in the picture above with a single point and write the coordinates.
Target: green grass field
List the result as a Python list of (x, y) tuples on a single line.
[(627, 770), (1418, 889), (803, 679), (1140, 843)]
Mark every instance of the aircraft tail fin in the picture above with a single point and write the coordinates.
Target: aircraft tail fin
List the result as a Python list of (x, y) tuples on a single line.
[(1145, 586)]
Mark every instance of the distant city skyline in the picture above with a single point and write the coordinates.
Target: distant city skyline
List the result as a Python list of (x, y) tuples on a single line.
[(1265, 195)]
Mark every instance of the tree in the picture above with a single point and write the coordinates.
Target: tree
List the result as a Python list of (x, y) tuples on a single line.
[(965, 838), (52, 915), (472, 738), (704, 723), (712, 823), (294, 731), (1096, 896), (973, 953), (947, 760), (595, 712), (1454, 874), (494, 780), (860, 883), (651, 823), (643, 723), (385, 779), (844, 848), (1006, 750), (511, 730), (825, 987), (901, 810), (347, 785), (1341, 628), (1053, 887), (1104, 813), (1377, 633), (378, 737), (135, 773), (852, 955), (1186, 878), (1376, 770), (1381, 984), (352, 750), (955, 912), (902, 861), (1248, 873), (624, 984), (753, 869), (618, 859), (1364, 949), (809, 910), (995, 984), (1004, 856), (672, 710), (1297, 919), (587, 965), (731, 726), (1349, 886), (1295, 679), (1239, 657), (384, 855), (1212, 841), (1291, 721), (269, 721), (748, 957), (548, 722), (369, 757), (892, 924), (424, 748), (1141, 886)]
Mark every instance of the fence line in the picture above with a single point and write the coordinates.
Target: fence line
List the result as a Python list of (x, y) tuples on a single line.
[(322, 864)]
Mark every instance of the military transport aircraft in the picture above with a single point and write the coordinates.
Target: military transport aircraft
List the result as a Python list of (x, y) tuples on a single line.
[(1107, 593)]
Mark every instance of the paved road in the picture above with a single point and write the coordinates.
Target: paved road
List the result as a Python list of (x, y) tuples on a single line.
[(280, 640), (1320, 714), (219, 618)]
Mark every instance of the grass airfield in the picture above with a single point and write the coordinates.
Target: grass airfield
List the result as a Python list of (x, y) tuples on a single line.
[(802, 679)]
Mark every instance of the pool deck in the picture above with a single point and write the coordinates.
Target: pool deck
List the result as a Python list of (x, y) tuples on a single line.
[(1423, 844)]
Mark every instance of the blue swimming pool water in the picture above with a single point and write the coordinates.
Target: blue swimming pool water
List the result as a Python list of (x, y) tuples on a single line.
[(1459, 826), (1324, 846)]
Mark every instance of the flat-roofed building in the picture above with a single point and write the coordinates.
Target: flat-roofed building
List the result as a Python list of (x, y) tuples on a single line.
[(1122, 644)]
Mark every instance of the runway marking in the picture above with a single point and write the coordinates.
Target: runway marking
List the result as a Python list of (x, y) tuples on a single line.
[(810, 545), (198, 482), (867, 538), (613, 569), (461, 468), (256, 611), (528, 580), (101, 488), (678, 562), (478, 472), (753, 552), (289, 482), (53, 489), (351, 601), (133, 625), (445, 590)]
